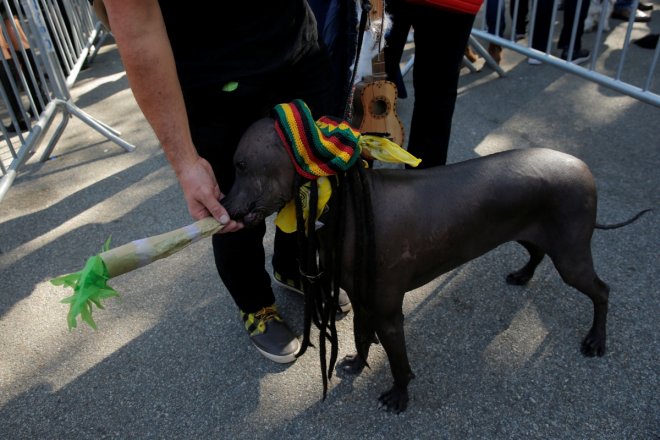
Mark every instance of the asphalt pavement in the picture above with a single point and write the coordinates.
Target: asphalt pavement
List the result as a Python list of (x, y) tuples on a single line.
[(170, 359)]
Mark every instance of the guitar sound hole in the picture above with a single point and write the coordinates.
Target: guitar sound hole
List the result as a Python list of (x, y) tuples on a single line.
[(379, 107)]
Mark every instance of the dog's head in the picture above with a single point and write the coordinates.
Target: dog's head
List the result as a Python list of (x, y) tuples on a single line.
[(265, 175)]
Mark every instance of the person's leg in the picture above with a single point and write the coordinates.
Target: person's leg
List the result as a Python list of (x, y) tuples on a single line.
[(13, 102), (523, 16), (620, 5), (520, 16), (440, 39), (396, 40), (495, 25), (339, 35), (493, 9), (623, 10), (240, 260), (542, 25), (570, 14), (35, 90), (218, 120)]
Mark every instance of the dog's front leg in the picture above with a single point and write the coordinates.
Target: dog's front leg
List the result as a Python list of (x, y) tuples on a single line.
[(364, 336), (390, 332)]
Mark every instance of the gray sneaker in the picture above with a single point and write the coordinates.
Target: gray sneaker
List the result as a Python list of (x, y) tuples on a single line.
[(296, 286), (270, 334)]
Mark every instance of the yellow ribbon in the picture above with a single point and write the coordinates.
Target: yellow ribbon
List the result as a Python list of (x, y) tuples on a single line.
[(286, 218), (380, 148)]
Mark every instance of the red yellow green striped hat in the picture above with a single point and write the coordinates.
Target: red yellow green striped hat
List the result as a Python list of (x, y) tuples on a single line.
[(317, 148)]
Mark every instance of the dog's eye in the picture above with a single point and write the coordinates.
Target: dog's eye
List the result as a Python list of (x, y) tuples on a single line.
[(240, 166)]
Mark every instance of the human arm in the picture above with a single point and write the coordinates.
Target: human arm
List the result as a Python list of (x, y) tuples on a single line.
[(140, 34)]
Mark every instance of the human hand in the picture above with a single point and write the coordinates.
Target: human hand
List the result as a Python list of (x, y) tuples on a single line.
[(202, 194)]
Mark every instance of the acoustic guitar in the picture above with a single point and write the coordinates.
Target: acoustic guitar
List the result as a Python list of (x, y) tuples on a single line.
[(374, 99)]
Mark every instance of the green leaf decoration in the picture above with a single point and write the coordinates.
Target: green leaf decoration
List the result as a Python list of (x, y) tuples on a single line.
[(90, 287)]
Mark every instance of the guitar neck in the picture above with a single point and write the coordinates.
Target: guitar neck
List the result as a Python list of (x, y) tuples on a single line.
[(377, 11), (378, 62), (378, 67)]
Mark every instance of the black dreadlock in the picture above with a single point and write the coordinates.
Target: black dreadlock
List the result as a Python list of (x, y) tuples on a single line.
[(321, 282)]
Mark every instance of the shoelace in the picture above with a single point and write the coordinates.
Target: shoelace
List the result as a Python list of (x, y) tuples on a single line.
[(266, 314), (255, 323)]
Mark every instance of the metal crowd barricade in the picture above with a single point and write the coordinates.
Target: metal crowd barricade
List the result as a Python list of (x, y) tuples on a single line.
[(490, 27), (47, 44)]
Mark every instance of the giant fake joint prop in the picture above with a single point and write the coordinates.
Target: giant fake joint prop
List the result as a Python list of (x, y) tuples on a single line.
[(90, 285)]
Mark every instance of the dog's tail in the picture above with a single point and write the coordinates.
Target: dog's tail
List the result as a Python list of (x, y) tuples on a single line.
[(624, 223)]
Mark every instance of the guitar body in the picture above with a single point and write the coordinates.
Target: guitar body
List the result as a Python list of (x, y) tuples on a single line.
[(374, 110), (374, 98)]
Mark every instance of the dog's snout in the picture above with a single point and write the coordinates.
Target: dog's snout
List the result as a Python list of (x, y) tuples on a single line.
[(236, 206), (228, 203)]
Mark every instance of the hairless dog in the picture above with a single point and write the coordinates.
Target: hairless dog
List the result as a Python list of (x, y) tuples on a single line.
[(428, 222)]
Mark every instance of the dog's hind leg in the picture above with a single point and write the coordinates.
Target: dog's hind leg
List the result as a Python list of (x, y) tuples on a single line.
[(577, 270), (522, 276)]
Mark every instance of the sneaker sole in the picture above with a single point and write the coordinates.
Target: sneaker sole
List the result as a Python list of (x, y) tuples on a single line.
[(287, 286), (345, 308), (580, 60), (284, 359)]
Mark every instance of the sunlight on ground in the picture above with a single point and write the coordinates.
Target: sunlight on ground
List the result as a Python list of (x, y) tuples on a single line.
[(513, 347), (270, 403), (494, 143), (528, 127), (104, 212), (86, 87), (36, 344), (581, 92), (286, 394), (38, 348)]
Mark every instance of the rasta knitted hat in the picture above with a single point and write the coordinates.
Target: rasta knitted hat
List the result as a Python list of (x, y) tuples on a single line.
[(317, 148)]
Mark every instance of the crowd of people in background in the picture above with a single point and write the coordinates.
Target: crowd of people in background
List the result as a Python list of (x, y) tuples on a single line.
[(519, 11)]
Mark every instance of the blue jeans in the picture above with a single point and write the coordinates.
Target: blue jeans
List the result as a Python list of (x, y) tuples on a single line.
[(620, 5), (492, 7)]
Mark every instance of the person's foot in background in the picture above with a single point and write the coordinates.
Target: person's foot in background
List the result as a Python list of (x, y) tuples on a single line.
[(649, 41)]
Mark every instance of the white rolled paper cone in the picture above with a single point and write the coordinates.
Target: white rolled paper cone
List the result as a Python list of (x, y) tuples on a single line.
[(141, 252)]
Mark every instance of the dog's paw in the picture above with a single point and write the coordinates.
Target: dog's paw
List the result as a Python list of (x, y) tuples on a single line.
[(593, 345), (395, 400), (352, 364)]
